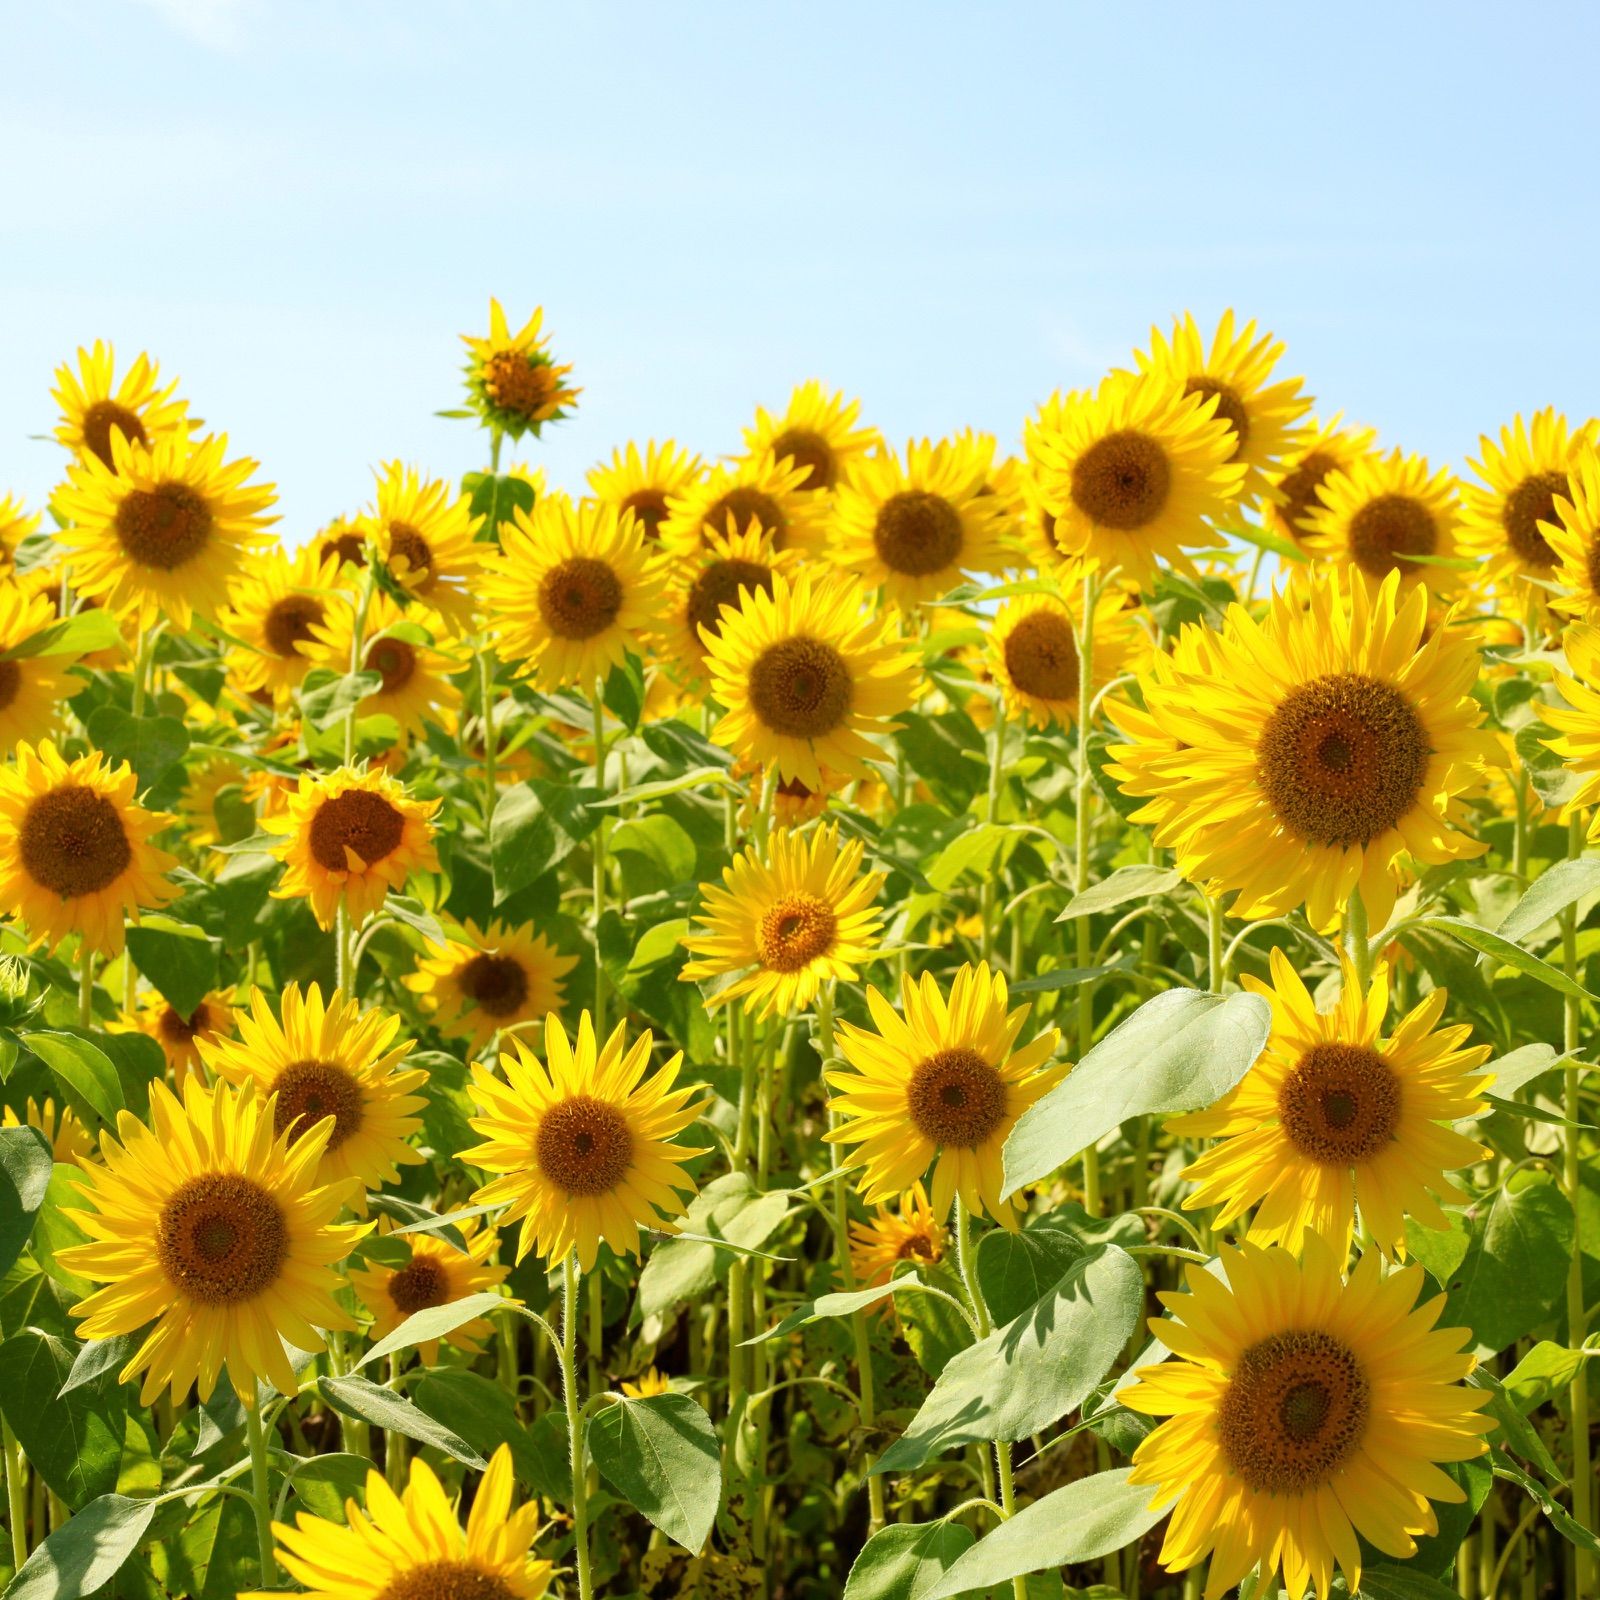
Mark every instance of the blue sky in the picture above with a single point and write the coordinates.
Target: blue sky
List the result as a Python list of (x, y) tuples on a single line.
[(946, 209)]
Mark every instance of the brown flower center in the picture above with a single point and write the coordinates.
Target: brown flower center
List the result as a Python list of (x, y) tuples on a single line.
[(650, 507), (1300, 489), (394, 660), (1294, 1411), (917, 533), (497, 985), (806, 448), (1042, 656), (956, 1098), (584, 1146), (1122, 481), (1342, 759), (351, 547), (101, 418), (360, 820), (180, 1030), (744, 505), (1341, 1104), (917, 1247), (289, 624), (165, 526), (801, 687), (407, 544), (1230, 408), (447, 1580), (796, 931), (517, 384), (580, 597), (72, 842), (308, 1091), (221, 1238), (10, 682), (1386, 531), (1533, 501), (724, 583), (421, 1283)]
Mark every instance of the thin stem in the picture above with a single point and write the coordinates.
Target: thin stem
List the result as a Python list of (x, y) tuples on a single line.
[(85, 985), (997, 746), (1080, 863), (490, 739), (16, 1495), (260, 1492), (1358, 941), (1216, 959), (358, 628), (394, 1444), (577, 1457), (599, 852)]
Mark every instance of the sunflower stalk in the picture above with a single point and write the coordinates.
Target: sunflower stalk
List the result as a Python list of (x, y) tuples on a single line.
[(599, 852), (576, 1438), (997, 746), (16, 1493), (261, 1490), (1080, 864)]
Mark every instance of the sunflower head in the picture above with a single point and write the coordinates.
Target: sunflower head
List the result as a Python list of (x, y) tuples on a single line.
[(817, 432), (908, 1232), (180, 1035), (274, 611), (760, 493), (512, 382), (489, 980), (1032, 653), (644, 482), (1296, 484), (32, 687), (425, 535), (95, 408), (701, 587)]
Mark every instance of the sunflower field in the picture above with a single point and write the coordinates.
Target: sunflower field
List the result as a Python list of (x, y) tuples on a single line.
[(834, 1020)]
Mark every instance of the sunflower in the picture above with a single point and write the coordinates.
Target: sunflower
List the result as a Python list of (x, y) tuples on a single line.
[(1573, 534), (410, 651), (342, 541), (161, 533), (1332, 1116), (817, 432), (1303, 1412), (790, 923), (491, 979), (515, 387), (762, 492), (75, 851), (313, 1061), (1033, 653), (721, 573), (644, 484), (16, 524), (572, 591), (210, 781), (806, 674), (1381, 512), (31, 686), (1131, 474), (1295, 487), (274, 609), (95, 407), (583, 1140), (434, 1273), (1236, 370), (646, 1384), (942, 1087), (215, 1231), (69, 1139), (1316, 751), (351, 836), (1578, 721), (915, 531), (179, 1036), (910, 1232), (426, 536)]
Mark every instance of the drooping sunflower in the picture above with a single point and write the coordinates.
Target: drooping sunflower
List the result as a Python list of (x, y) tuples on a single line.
[(179, 1036), (1381, 512), (806, 674), (916, 530), (274, 609), (69, 1139), (788, 924), (434, 1273), (162, 532), (425, 534), (1263, 417), (1033, 653), (410, 1546), (1522, 477), (1319, 750), (315, 1060), (216, 1231), (761, 491), (1302, 1412), (583, 1141), (817, 431), (75, 851), (911, 1231), (644, 484), (515, 387), (941, 1087), (1333, 1115), (571, 592), (94, 406), (16, 524), (31, 686), (1296, 484), (1132, 475), (489, 980), (1573, 533), (351, 836), (726, 568)]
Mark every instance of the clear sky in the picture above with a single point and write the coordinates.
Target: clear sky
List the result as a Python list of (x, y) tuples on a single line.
[(948, 209)]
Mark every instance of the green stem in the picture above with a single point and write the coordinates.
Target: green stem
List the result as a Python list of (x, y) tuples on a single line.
[(991, 816), (394, 1444), (1358, 940), (85, 985), (358, 629), (486, 719), (260, 1492), (1080, 864), (578, 1455), (1216, 957), (16, 1495), (599, 852)]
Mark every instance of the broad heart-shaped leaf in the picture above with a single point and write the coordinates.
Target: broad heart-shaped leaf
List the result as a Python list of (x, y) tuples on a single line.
[(1079, 1522), (661, 1455), (25, 1163), (87, 1552), (1551, 892), (536, 825), (1396, 1583), (480, 1411), (433, 1322), (177, 958), (1118, 888), (96, 1357), (152, 746), (835, 1305), (905, 1560), (383, 1408), (1016, 1269), (1034, 1369), (74, 1440), (1178, 1052), (731, 1208), (1507, 954), (85, 1069)]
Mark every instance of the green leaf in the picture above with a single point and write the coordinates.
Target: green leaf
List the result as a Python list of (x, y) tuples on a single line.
[(480, 1411), (323, 1483), (55, 1230), (326, 701), (695, 778), (1033, 1370), (1060, 978), (152, 746), (844, 1304), (88, 1552), (661, 1455), (1079, 1522), (1518, 1067), (905, 1560), (178, 958), (433, 1322), (1396, 1583), (662, 842), (1506, 953), (1119, 888), (79, 635), (84, 1068), (25, 1163), (1546, 1371), (1562, 885), (536, 826), (1178, 1052), (680, 1269), (659, 942), (1516, 1431), (1016, 1269), (383, 1408), (96, 1357), (74, 1440), (975, 851)]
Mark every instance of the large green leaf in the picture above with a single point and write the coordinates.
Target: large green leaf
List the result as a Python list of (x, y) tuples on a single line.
[(178, 958), (478, 1410), (383, 1408), (74, 1440), (730, 1208), (433, 1322), (85, 1069), (843, 1304), (88, 1552), (905, 1560), (25, 1163), (1015, 1269), (1120, 888), (1551, 892), (536, 825), (661, 1455), (152, 746), (1506, 954)]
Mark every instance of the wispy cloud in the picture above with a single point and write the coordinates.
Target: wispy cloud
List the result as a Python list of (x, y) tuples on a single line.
[(217, 24)]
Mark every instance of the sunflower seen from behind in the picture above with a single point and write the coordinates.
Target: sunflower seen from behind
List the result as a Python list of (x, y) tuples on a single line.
[(581, 1142), (645, 482), (69, 1140), (939, 1084), (425, 535), (785, 921), (1302, 1412), (95, 407), (817, 431), (489, 979), (513, 383), (1336, 1114), (1295, 487), (214, 1238), (32, 686)]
